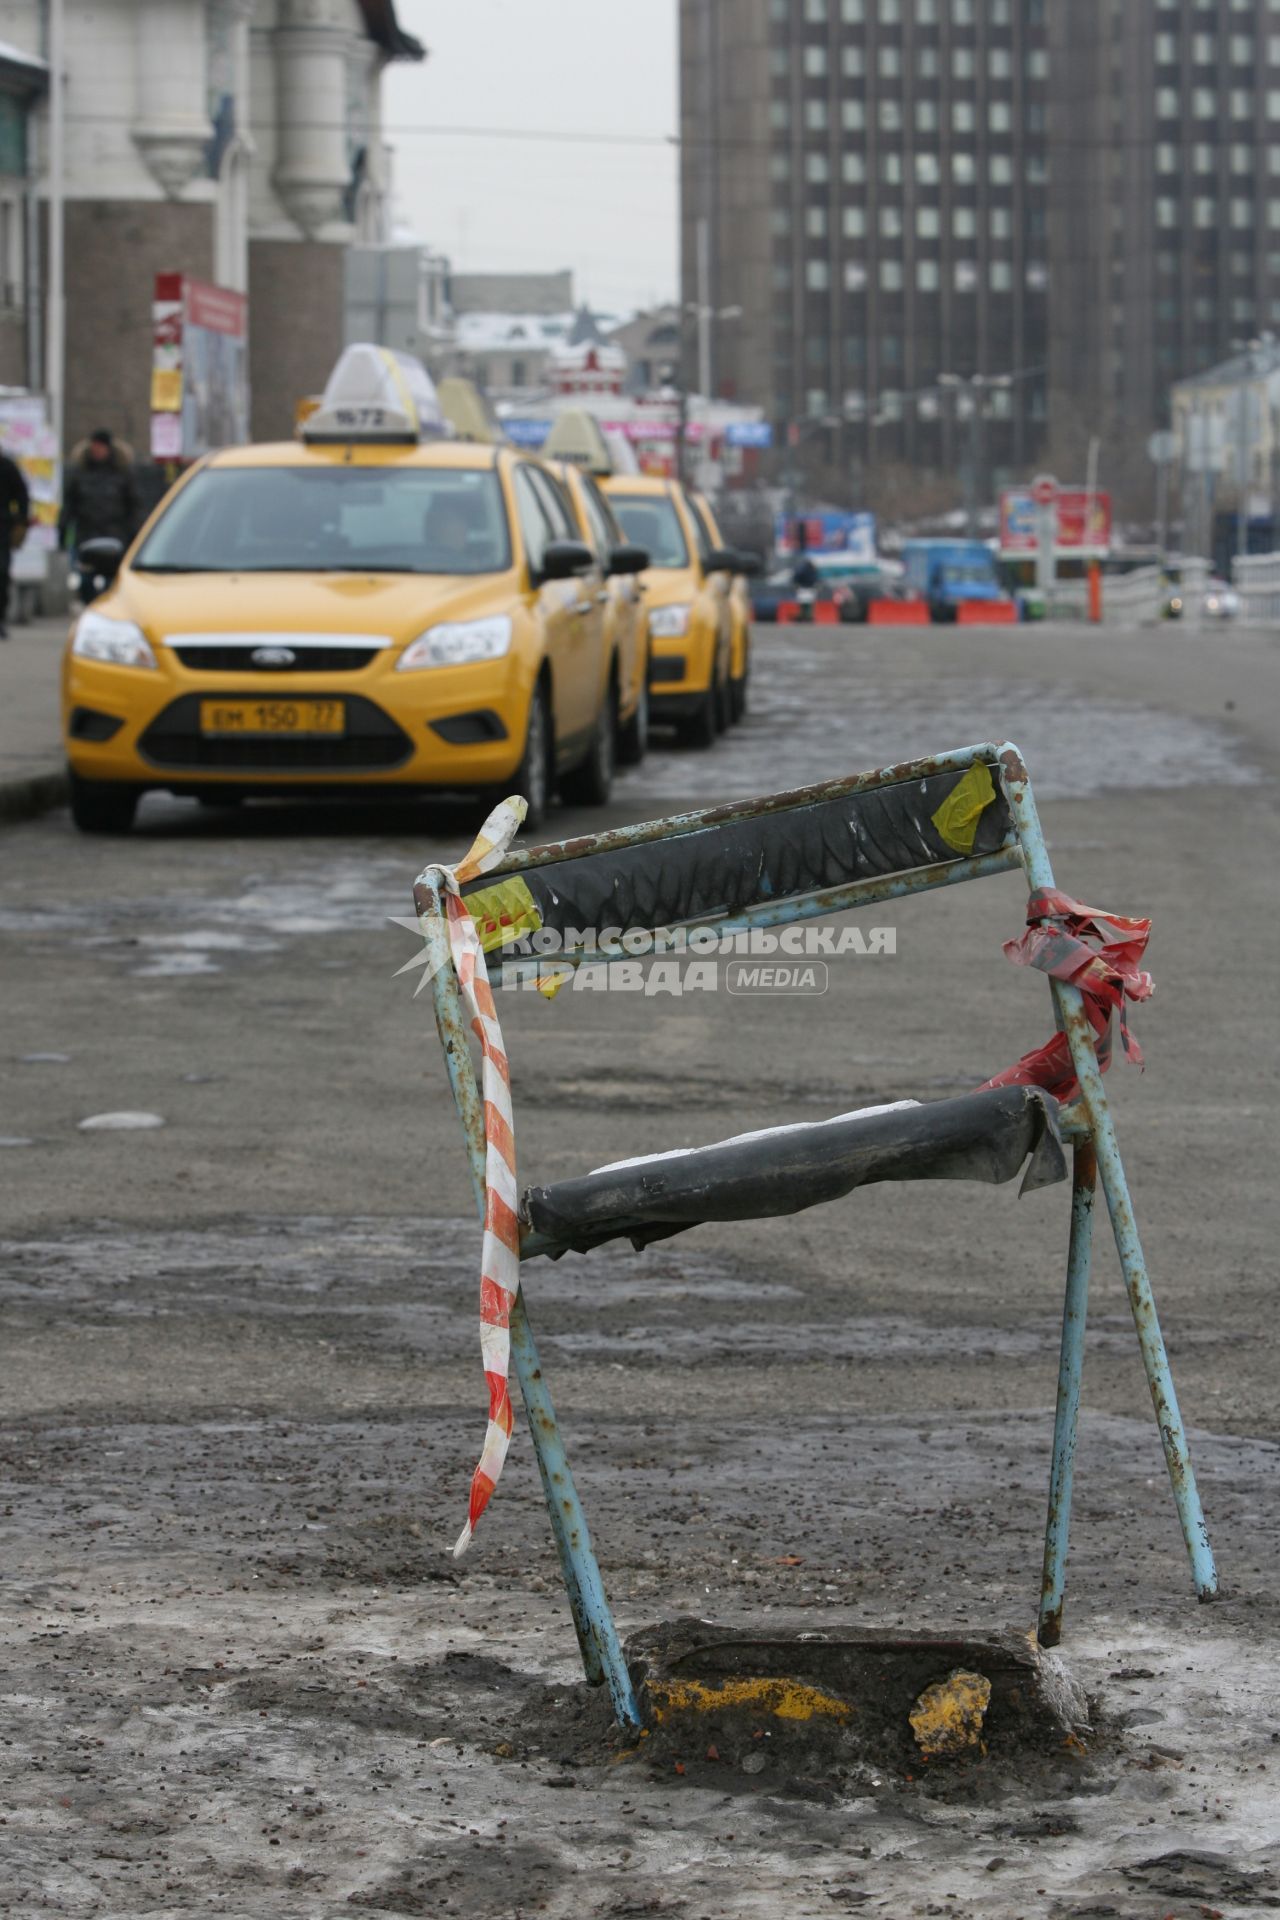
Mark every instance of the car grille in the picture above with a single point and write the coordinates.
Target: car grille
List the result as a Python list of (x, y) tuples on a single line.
[(236, 657), (371, 741)]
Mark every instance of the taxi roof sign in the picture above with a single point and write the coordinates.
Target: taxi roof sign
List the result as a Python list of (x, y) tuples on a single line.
[(577, 436), (375, 393)]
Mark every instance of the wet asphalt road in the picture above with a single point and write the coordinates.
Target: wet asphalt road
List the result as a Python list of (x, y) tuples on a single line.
[(243, 1398)]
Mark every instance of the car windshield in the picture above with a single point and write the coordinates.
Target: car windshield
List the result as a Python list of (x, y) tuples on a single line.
[(652, 522), (973, 575), (332, 520)]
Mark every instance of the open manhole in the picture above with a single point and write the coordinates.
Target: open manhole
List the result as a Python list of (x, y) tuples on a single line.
[(822, 1704)]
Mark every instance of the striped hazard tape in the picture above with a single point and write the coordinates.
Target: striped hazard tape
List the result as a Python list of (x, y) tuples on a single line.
[(500, 1251)]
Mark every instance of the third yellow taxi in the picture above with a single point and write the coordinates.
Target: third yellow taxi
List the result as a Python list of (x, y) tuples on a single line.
[(694, 678), (371, 606)]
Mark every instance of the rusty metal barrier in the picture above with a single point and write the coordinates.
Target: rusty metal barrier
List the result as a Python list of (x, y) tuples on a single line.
[(819, 851)]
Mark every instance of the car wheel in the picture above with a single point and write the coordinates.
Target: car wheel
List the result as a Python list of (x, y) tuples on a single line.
[(590, 784), (701, 728), (533, 775), (102, 806), (738, 699), (633, 739), (724, 705)]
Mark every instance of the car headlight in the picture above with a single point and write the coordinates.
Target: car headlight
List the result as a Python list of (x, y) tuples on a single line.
[(118, 642), (668, 623), (458, 643)]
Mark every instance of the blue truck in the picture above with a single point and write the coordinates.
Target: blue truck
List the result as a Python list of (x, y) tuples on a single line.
[(947, 573)]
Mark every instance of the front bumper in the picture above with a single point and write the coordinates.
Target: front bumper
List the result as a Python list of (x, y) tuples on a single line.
[(444, 727)]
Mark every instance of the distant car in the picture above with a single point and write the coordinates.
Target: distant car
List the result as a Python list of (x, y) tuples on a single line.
[(768, 594), (948, 574), (1221, 602)]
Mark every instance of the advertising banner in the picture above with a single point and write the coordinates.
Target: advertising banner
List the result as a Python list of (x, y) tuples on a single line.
[(199, 368), (851, 534), (26, 436), (1083, 524)]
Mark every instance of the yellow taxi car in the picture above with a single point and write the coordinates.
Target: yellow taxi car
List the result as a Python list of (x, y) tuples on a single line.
[(367, 607), (735, 585), (576, 453), (690, 625)]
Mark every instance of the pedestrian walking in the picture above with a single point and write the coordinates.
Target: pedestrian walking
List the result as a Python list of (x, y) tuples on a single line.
[(15, 517), (100, 498)]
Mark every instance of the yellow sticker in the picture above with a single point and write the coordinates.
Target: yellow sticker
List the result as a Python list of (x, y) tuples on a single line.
[(503, 912), (958, 816)]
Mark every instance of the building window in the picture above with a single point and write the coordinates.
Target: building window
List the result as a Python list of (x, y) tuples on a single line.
[(853, 168), (891, 169), (815, 116), (817, 276), (1166, 49), (1273, 104), (1001, 276), (964, 223), (852, 12), (928, 170), (1000, 116), (1204, 103), (1204, 211), (815, 10), (1000, 63), (962, 117), (853, 222), (1242, 214), (855, 276), (927, 276), (891, 276), (853, 116), (1166, 157), (1000, 223), (815, 62), (926, 63), (962, 63), (891, 10), (1202, 49), (928, 223), (1001, 169), (966, 276), (927, 12), (779, 167), (852, 63), (889, 63), (1241, 103), (779, 115), (890, 222), (890, 350), (1166, 213), (816, 169), (1038, 64), (926, 116), (780, 223), (1241, 50), (890, 116), (781, 277), (963, 169), (1241, 157), (1166, 103), (815, 222), (815, 401)]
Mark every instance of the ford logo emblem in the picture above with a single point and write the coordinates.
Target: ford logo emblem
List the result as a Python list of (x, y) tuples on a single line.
[(273, 657)]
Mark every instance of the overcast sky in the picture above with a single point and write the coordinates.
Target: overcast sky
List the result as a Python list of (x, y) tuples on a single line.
[(586, 67)]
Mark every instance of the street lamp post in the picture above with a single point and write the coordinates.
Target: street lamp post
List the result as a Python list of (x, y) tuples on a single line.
[(976, 386), (703, 311)]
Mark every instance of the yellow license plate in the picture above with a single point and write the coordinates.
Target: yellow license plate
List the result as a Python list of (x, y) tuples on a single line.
[(272, 716)]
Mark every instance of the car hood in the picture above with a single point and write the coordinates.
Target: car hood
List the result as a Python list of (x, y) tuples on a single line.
[(392, 606)]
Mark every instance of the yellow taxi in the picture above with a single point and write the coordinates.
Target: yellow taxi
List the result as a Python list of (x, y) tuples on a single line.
[(577, 454), (372, 606), (735, 585), (690, 627)]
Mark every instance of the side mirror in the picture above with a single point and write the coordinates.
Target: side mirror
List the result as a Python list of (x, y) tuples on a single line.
[(563, 560), (720, 560), (101, 557), (749, 564), (628, 559)]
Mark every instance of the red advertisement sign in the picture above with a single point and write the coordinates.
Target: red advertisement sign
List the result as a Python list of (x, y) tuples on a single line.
[(199, 368), (1083, 523)]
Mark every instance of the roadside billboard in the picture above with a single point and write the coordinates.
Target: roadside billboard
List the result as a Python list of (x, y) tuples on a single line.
[(851, 534), (27, 437), (199, 368), (1083, 524)]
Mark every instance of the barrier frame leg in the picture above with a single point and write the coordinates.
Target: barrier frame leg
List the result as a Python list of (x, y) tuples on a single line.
[(1069, 1006), (1075, 1308), (597, 1633)]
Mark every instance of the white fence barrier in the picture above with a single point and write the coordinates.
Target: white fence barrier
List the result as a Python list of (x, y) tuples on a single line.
[(1256, 578)]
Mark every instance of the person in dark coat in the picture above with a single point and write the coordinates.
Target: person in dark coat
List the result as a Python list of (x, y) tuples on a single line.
[(15, 517), (100, 496)]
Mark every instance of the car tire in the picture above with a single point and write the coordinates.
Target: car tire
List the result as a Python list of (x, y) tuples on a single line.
[(533, 775), (702, 728), (633, 738), (590, 783), (102, 806), (738, 699)]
